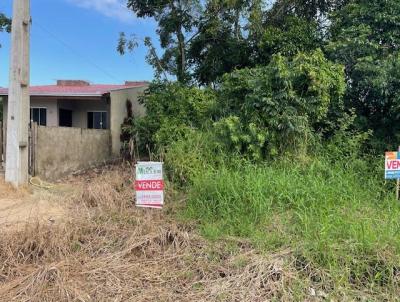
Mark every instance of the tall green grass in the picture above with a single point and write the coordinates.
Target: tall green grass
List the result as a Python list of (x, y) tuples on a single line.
[(339, 217)]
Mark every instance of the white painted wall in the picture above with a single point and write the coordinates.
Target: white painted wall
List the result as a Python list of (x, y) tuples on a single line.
[(118, 112)]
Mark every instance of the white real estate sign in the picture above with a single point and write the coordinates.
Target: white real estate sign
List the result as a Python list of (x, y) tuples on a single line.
[(392, 165), (149, 185)]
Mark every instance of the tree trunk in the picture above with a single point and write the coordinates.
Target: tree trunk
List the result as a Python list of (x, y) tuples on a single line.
[(237, 25), (182, 56)]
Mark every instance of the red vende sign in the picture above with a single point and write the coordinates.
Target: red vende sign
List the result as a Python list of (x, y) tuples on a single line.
[(149, 185), (393, 164)]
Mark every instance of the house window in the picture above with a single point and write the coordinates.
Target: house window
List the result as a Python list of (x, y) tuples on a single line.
[(39, 115), (97, 120)]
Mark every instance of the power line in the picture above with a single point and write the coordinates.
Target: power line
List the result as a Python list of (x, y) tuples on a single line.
[(81, 56)]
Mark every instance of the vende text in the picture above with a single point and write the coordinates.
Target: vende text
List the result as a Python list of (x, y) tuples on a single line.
[(393, 165), (149, 185)]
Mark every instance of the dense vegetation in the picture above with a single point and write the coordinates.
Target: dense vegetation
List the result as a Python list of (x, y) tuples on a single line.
[(202, 41), (276, 125)]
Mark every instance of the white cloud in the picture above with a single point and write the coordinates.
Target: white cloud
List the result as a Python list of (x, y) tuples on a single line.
[(110, 8)]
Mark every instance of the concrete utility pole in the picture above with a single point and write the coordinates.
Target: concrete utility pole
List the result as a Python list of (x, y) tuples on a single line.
[(18, 96)]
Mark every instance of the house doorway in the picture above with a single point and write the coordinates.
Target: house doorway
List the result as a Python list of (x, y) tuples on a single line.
[(65, 117)]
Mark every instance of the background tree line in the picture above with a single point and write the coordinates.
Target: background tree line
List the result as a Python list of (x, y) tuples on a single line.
[(203, 40)]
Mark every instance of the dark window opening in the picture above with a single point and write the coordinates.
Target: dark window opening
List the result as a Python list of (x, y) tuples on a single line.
[(97, 120), (39, 116), (65, 118)]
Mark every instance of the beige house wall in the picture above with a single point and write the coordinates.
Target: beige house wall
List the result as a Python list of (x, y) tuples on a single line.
[(118, 112), (80, 108), (52, 109), (49, 103)]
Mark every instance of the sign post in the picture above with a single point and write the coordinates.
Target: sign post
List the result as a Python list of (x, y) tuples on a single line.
[(392, 169), (149, 185)]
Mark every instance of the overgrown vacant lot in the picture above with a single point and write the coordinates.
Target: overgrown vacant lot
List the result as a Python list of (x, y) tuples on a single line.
[(105, 249)]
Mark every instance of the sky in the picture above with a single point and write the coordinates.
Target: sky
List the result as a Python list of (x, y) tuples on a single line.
[(77, 39)]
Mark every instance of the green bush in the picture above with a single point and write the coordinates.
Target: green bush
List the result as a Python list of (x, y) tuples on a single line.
[(187, 158), (346, 142), (172, 110), (241, 138), (260, 112), (274, 109)]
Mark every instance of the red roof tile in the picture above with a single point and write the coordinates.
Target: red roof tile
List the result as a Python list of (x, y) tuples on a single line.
[(91, 90)]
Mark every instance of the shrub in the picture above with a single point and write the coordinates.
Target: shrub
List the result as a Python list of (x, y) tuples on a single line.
[(171, 111), (245, 139), (345, 142), (274, 109), (191, 156)]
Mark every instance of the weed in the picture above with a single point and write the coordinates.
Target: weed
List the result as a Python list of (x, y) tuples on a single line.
[(337, 215)]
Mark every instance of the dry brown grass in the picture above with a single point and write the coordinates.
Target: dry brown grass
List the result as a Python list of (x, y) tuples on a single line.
[(108, 250), (8, 191)]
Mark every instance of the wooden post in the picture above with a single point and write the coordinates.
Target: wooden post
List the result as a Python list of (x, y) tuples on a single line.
[(32, 148), (18, 96)]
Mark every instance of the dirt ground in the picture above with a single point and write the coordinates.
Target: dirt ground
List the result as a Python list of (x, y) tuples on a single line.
[(40, 201), (29, 204)]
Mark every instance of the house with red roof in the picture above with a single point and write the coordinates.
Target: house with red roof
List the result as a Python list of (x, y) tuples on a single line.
[(80, 104)]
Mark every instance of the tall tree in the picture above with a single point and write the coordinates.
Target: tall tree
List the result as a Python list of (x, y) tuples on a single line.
[(220, 45), (202, 40), (176, 21), (291, 36), (366, 39), (5, 23), (311, 10)]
